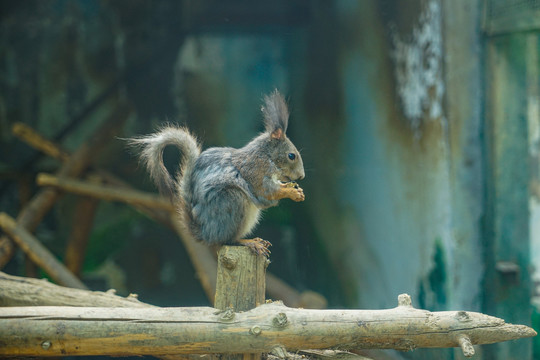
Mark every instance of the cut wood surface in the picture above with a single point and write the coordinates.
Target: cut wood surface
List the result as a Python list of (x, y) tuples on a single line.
[(23, 291), (273, 327)]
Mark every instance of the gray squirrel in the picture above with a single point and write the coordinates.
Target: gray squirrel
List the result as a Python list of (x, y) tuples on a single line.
[(221, 191)]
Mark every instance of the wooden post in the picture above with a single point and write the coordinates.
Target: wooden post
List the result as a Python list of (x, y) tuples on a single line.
[(240, 284)]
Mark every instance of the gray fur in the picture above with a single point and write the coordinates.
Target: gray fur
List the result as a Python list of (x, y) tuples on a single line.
[(275, 112), (221, 191), (151, 154)]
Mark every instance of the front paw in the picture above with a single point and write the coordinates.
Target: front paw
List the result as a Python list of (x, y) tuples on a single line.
[(297, 194)]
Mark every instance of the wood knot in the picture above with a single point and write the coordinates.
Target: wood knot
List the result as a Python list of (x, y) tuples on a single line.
[(279, 351), (405, 345), (280, 320), (226, 314), (462, 316), (404, 300), (255, 330), (229, 262)]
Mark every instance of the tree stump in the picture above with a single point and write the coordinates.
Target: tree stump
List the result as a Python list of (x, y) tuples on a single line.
[(240, 284)]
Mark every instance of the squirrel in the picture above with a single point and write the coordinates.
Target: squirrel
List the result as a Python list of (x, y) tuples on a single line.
[(221, 191)]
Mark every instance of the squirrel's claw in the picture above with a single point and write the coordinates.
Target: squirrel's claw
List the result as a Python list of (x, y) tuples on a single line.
[(297, 193), (292, 191), (299, 196), (257, 245)]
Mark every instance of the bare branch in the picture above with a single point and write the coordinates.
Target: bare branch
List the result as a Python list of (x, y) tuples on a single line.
[(104, 192), (267, 328), (39, 253)]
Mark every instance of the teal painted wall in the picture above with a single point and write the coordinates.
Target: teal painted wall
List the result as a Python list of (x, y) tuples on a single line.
[(388, 106)]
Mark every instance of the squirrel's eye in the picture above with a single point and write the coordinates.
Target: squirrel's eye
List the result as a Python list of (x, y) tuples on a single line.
[(291, 156)]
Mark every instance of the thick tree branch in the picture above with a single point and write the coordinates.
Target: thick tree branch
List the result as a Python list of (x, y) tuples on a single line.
[(55, 331)]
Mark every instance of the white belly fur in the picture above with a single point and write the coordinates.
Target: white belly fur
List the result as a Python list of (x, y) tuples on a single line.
[(252, 218)]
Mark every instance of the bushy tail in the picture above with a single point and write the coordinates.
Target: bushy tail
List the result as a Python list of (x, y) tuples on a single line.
[(151, 153)]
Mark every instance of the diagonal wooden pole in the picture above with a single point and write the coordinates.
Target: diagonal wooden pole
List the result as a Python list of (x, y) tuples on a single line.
[(32, 214), (38, 253)]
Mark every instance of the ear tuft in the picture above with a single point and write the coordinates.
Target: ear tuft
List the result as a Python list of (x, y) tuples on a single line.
[(276, 114)]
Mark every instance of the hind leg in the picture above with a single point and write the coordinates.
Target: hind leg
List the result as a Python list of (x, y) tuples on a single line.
[(219, 217), (257, 245), (225, 217)]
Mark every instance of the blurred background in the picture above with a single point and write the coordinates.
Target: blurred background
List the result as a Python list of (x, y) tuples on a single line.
[(418, 123)]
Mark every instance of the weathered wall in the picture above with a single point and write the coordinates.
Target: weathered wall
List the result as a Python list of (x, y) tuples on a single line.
[(507, 288), (404, 191), (464, 101)]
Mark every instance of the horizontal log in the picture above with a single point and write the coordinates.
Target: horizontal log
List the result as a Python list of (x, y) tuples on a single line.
[(273, 327)]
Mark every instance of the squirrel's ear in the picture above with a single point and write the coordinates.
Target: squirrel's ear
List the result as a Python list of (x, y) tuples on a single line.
[(276, 134), (276, 115)]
